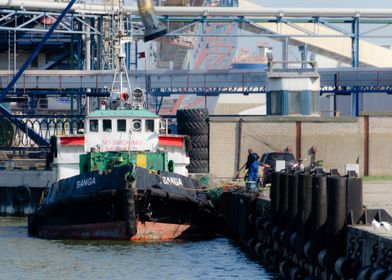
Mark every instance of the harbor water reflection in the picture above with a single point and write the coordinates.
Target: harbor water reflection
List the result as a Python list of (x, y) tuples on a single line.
[(24, 257)]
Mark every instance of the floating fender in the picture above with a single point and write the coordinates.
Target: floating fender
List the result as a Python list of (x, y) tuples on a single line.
[(283, 199), (318, 218), (129, 212), (378, 274), (276, 233), (293, 240), (268, 254), (252, 219), (267, 226), (252, 243), (284, 237), (307, 249), (336, 220), (292, 206), (297, 273), (259, 223), (364, 273), (259, 249), (347, 268), (322, 259), (284, 269), (354, 199), (304, 211), (274, 196), (22, 194)]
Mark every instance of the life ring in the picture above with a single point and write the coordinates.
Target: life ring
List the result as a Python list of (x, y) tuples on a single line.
[(22, 194)]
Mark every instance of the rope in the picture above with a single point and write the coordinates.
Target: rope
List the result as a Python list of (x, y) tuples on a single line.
[(264, 142)]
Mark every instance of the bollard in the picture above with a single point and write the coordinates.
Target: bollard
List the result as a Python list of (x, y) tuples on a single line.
[(336, 220), (303, 214)]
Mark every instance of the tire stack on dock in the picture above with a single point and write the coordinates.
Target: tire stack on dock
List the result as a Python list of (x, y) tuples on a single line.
[(194, 123)]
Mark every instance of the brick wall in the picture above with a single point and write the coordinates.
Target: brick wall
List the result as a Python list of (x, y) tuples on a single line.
[(337, 141)]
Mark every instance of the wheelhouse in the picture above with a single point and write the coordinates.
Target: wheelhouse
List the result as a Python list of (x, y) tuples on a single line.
[(122, 130)]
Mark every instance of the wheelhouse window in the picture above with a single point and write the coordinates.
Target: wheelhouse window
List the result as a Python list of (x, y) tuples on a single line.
[(93, 125), (150, 125), (121, 125), (107, 125), (137, 125)]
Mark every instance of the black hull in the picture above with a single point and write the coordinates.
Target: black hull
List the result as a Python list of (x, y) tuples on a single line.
[(140, 207)]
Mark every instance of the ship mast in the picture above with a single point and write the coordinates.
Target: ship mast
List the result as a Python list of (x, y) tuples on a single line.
[(118, 91)]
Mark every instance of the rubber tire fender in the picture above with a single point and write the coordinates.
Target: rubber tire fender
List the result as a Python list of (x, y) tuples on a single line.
[(22, 194)]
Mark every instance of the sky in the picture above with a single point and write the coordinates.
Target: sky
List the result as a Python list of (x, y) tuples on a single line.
[(375, 4)]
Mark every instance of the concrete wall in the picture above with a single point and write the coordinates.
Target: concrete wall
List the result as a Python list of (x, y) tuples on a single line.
[(337, 141), (380, 145)]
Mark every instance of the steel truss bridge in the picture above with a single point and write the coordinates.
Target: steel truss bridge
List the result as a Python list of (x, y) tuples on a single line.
[(87, 29), (95, 21), (206, 83)]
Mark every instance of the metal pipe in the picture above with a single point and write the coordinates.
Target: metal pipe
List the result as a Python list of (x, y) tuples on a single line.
[(202, 11)]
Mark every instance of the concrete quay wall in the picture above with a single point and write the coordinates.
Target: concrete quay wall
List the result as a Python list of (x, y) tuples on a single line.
[(365, 140)]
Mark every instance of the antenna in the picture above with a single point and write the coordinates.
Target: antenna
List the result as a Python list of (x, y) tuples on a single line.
[(118, 91)]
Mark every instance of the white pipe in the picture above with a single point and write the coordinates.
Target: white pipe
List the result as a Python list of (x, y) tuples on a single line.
[(199, 11)]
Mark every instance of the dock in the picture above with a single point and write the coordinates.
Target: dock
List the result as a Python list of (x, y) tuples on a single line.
[(322, 233)]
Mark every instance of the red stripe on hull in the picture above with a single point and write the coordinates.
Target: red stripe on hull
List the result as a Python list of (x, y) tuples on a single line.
[(146, 232), (150, 231), (72, 140), (171, 141)]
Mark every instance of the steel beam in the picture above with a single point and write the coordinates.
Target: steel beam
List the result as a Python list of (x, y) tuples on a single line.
[(31, 133)]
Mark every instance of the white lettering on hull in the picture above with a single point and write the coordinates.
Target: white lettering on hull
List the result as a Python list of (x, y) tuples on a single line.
[(85, 182), (172, 181)]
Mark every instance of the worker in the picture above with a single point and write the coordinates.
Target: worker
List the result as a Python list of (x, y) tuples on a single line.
[(252, 164)]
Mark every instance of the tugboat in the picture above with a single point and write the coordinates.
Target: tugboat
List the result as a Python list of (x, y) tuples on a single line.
[(126, 187), (124, 179)]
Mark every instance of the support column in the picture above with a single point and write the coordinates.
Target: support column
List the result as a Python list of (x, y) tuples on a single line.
[(355, 102), (355, 43), (285, 52), (366, 145), (298, 136)]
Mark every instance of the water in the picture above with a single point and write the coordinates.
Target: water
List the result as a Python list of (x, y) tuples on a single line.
[(24, 257)]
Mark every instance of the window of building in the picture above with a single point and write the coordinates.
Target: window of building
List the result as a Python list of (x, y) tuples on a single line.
[(137, 125), (121, 125), (107, 125), (93, 125), (294, 102), (150, 125)]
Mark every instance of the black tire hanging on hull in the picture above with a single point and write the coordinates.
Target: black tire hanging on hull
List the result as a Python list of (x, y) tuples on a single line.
[(129, 211)]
